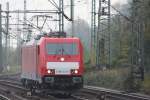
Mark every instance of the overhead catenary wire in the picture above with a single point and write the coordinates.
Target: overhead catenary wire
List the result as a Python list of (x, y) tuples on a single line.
[(47, 25), (54, 4), (44, 23), (34, 26), (121, 14)]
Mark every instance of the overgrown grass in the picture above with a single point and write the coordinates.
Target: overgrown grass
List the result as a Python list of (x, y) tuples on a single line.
[(116, 78), (112, 78), (146, 84)]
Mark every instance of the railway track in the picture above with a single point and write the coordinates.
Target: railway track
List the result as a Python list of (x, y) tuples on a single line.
[(16, 86), (14, 90), (87, 93), (15, 76), (79, 97), (104, 94), (2, 97)]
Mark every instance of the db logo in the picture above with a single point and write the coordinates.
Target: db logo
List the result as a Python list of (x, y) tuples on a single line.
[(61, 71)]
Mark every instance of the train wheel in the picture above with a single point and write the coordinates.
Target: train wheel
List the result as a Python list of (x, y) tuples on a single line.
[(32, 91), (23, 82), (29, 93), (26, 84), (67, 94)]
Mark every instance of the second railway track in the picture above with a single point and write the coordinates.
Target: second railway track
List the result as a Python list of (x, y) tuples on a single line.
[(15, 91), (108, 94)]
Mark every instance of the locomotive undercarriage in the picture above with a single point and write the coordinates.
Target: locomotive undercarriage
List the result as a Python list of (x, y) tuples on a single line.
[(63, 82), (53, 83)]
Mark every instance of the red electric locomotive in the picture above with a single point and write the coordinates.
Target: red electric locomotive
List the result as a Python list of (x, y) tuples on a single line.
[(52, 63)]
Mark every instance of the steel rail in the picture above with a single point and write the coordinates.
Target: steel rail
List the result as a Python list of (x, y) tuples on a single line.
[(12, 84), (114, 93), (100, 93), (10, 94), (78, 97), (2, 97), (18, 87)]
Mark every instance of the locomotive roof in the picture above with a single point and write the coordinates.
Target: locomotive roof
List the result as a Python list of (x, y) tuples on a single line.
[(68, 38), (37, 42)]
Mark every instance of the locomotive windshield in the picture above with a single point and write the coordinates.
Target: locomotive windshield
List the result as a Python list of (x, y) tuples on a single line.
[(62, 49)]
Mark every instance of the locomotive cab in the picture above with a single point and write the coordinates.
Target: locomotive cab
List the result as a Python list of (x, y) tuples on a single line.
[(63, 65)]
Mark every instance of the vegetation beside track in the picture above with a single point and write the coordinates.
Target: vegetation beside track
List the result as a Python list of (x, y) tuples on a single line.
[(113, 78), (11, 70), (116, 78), (146, 84)]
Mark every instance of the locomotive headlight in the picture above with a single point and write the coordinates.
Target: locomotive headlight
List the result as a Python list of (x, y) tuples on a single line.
[(48, 71), (51, 71), (74, 71), (62, 59)]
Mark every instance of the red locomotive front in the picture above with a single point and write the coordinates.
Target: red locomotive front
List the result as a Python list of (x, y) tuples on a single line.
[(53, 63)]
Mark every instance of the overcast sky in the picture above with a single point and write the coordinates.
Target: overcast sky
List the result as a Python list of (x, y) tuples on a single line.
[(82, 7), (15, 4)]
